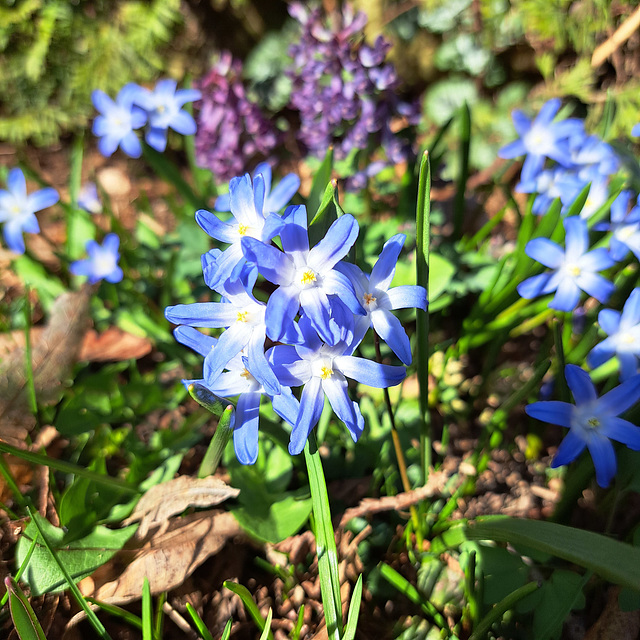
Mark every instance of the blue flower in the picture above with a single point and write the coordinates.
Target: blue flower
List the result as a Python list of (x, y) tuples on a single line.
[(246, 199), (598, 195), (117, 121), (323, 370), (17, 209), (636, 130), (306, 277), (625, 228), (88, 198), (574, 268), (549, 185), (273, 200), (164, 110), (244, 318), (623, 340), (378, 300), (592, 421), (102, 263), (541, 138), (239, 381)]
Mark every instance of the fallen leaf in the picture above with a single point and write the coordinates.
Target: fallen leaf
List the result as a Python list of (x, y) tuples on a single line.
[(614, 624), (170, 498), (53, 355), (166, 559), (113, 344)]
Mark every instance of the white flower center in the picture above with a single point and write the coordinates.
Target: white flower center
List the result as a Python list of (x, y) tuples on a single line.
[(322, 368), (306, 278)]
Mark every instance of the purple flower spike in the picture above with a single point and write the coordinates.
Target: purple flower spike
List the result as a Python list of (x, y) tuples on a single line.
[(592, 421), (574, 269)]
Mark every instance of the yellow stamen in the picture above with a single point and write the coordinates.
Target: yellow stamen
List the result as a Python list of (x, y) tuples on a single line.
[(575, 271), (369, 299), (243, 316), (308, 277), (245, 374), (593, 422), (326, 372), (242, 229)]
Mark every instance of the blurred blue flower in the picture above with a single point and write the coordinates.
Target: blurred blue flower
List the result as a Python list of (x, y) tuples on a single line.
[(17, 209), (238, 380), (598, 195), (102, 263), (88, 198), (624, 227), (164, 110), (306, 277), (592, 421), (117, 120), (636, 130), (274, 199), (377, 299), (592, 158), (323, 370), (574, 268), (541, 138), (623, 341), (550, 184)]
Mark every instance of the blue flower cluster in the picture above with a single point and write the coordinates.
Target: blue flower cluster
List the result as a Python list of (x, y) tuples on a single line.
[(136, 106), (345, 91), (318, 312), (579, 159), (18, 209)]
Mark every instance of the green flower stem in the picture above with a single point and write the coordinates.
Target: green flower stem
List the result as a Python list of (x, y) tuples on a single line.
[(325, 541), (217, 444), (28, 361), (423, 220), (402, 465)]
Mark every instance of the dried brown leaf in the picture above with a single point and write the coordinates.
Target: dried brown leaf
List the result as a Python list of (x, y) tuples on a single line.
[(614, 624), (170, 498), (53, 354), (168, 558), (113, 344)]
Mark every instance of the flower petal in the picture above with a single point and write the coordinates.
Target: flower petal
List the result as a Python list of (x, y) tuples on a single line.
[(622, 397), (390, 329), (194, 339), (567, 296), (282, 307), (202, 314), (385, 267), (258, 365), (282, 193), (570, 448), (294, 234), (370, 373), (604, 459), (311, 405), (622, 431), (273, 264), (552, 411), (579, 381), (245, 433), (545, 252), (215, 228), (407, 296), (335, 245)]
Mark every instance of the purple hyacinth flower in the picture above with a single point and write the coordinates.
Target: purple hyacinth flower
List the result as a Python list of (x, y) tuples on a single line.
[(623, 341), (592, 421), (239, 380), (17, 209), (117, 120), (541, 138), (574, 268), (164, 110), (323, 370), (306, 277), (102, 263), (377, 299)]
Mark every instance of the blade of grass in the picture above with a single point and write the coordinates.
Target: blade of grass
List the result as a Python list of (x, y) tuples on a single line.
[(200, 626), (118, 612), (463, 176), (423, 221), (354, 612), (267, 626), (67, 467), (24, 618), (147, 611), (325, 540), (226, 634), (496, 613), (243, 593), (89, 612), (295, 632)]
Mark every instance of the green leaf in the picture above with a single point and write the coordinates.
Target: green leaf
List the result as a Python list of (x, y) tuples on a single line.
[(23, 616), (441, 273), (80, 557), (243, 593), (266, 632), (200, 625), (354, 611), (32, 273), (612, 560)]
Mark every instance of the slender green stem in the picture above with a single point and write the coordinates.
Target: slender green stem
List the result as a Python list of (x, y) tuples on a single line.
[(325, 541), (402, 465), (465, 144), (423, 221), (28, 361), (217, 445)]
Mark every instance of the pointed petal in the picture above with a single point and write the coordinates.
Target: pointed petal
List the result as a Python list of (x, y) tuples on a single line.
[(335, 245), (12, 231), (183, 123), (282, 193), (245, 434), (622, 397), (273, 264), (215, 228), (370, 373), (609, 320), (631, 310), (570, 448), (567, 296), (156, 138), (335, 388), (336, 283), (230, 343), (545, 252), (407, 296), (194, 339), (532, 287), (311, 405), (385, 267), (287, 365), (294, 234), (604, 460), (595, 285), (316, 306), (282, 307), (576, 238), (202, 314), (390, 329), (286, 405), (552, 411), (258, 365), (579, 381)]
